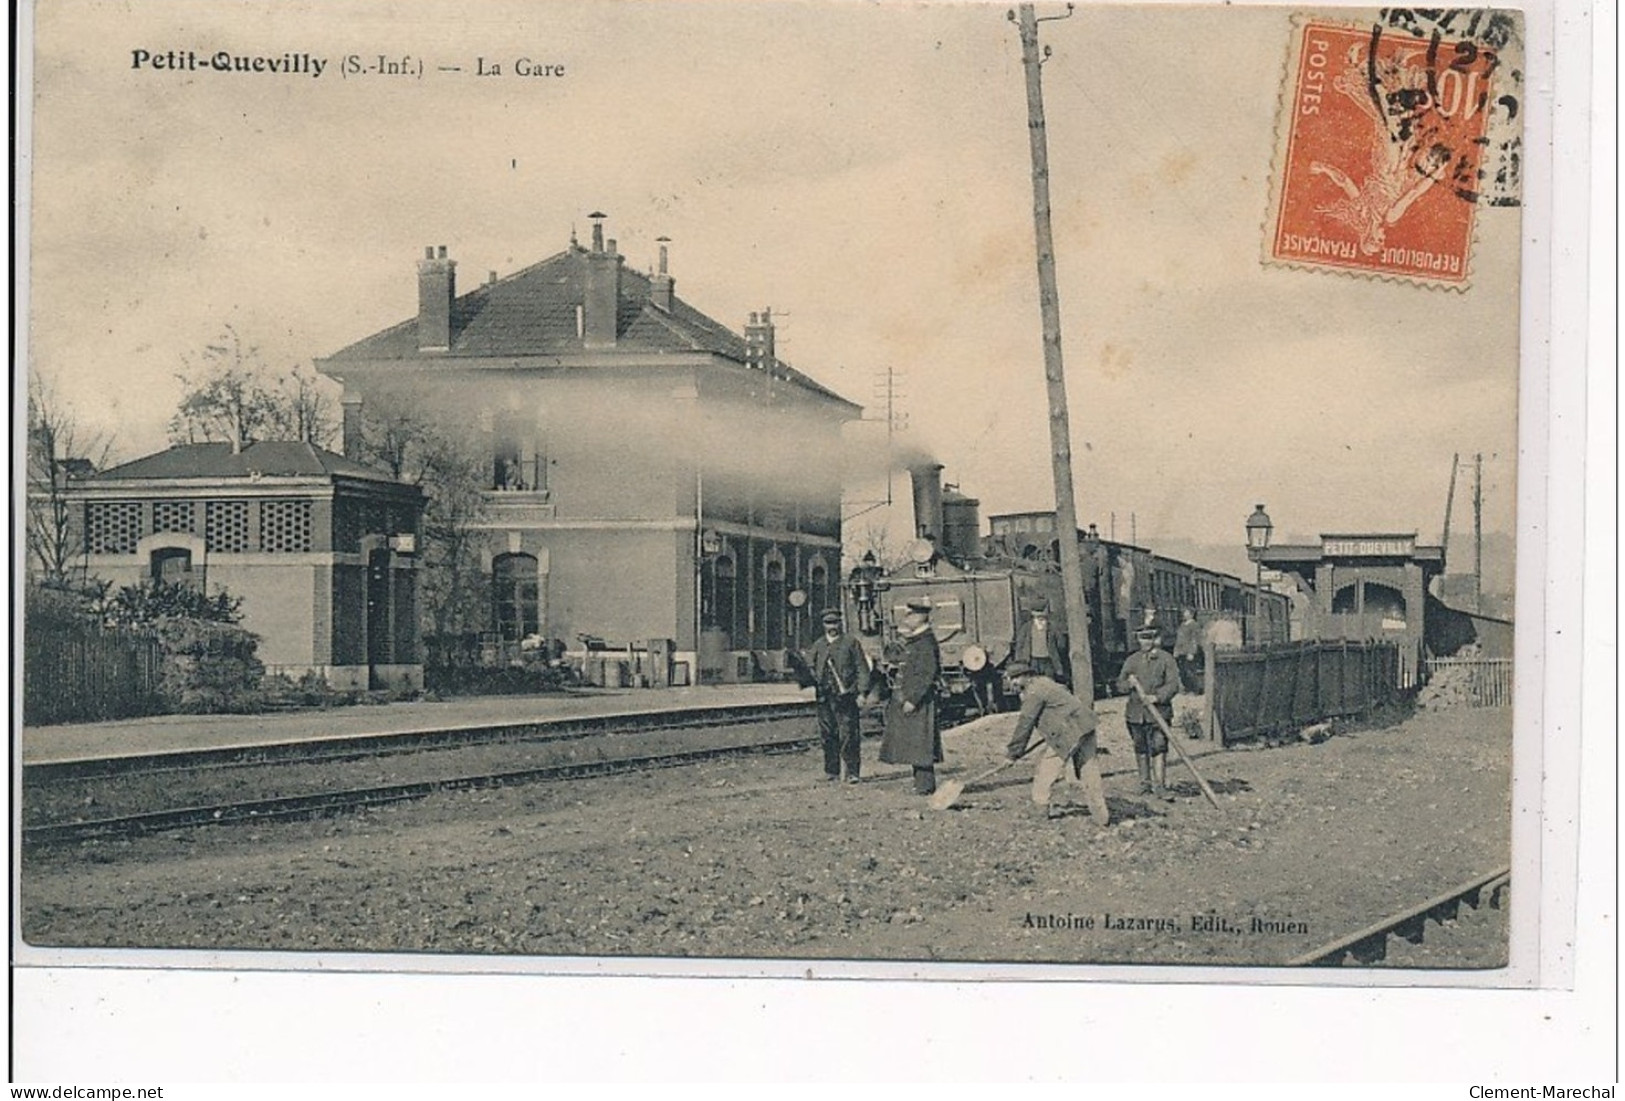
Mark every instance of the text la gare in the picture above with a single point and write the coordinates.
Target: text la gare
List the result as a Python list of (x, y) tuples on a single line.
[(485, 66)]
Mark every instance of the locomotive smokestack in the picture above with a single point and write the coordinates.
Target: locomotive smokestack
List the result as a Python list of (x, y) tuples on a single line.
[(927, 479)]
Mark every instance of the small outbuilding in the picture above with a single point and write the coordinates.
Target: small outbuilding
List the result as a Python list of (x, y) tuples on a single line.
[(321, 549)]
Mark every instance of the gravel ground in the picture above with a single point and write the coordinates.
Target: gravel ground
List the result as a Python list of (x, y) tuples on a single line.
[(759, 858)]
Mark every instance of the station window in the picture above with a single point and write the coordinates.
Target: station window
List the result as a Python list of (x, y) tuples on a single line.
[(519, 463), (516, 596)]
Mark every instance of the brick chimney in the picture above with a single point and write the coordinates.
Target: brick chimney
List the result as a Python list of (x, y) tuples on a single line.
[(602, 300), (661, 284), (759, 352), (351, 404), (437, 288)]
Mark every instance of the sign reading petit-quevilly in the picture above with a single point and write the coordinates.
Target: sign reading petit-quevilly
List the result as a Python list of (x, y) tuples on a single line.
[(350, 65), (224, 61)]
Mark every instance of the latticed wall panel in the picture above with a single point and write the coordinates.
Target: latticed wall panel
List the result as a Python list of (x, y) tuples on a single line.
[(112, 527), (285, 526), (172, 516), (226, 527)]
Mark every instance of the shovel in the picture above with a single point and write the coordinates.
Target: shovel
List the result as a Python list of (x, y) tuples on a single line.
[(949, 793), (1151, 706)]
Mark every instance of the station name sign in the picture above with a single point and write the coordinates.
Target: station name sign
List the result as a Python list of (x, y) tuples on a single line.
[(1368, 546)]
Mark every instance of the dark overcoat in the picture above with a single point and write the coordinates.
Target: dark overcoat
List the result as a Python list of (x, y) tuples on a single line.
[(839, 668), (1158, 675), (914, 739)]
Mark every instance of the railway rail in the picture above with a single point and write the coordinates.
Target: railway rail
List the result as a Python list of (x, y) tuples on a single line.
[(358, 747), (323, 804), (1370, 944)]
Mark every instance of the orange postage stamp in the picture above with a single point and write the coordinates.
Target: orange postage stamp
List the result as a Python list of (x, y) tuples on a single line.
[(1394, 134)]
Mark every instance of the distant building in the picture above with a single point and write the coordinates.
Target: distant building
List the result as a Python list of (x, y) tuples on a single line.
[(1364, 586), (322, 550), (648, 474)]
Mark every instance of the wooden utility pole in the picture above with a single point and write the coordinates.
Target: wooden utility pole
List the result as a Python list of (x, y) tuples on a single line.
[(1449, 502), (1049, 304), (1478, 532)]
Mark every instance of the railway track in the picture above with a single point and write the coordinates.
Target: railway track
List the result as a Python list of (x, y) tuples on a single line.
[(328, 803), (1370, 944), (361, 747)]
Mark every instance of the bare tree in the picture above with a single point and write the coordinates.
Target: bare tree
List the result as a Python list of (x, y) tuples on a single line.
[(447, 460), (60, 449), (232, 396), (876, 539), (305, 408)]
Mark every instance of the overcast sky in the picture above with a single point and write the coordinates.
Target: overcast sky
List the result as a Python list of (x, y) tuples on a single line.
[(861, 169)]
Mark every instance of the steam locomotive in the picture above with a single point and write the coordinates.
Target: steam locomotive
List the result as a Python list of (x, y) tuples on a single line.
[(982, 587)]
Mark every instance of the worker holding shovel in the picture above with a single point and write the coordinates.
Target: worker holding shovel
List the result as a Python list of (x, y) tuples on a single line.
[(1158, 676), (1067, 726)]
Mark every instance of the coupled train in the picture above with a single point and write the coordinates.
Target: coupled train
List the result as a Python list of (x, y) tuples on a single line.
[(982, 587)]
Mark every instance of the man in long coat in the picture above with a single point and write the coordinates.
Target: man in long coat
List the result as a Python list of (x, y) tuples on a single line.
[(911, 736), (840, 675), (1158, 675), (1067, 726)]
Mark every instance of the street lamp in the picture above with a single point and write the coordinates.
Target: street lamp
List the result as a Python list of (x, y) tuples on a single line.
[(1259, 530), (864, 579)]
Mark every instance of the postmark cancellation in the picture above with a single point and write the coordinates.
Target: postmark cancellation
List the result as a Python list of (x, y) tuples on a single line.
[(1392, 134)]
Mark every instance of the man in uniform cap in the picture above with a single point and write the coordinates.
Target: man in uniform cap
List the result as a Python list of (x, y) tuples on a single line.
[(1041, 644), (1067, 726), (1158, 675), (840, 675), (911, 714)]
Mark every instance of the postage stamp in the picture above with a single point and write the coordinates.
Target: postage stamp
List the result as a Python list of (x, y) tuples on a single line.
[(1389, 144)]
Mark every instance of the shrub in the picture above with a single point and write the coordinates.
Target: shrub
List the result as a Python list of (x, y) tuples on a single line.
[(154, 602), (509, 680), (210, 667)]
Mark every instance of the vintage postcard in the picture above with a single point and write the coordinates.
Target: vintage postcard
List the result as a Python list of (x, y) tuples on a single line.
[(777, 489)]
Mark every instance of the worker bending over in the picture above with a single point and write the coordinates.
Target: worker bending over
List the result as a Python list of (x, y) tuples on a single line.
[(1067, 726)]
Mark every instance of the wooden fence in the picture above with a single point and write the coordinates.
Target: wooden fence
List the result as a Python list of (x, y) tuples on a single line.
[(1290, 686), (79, 673), (1473, 682)]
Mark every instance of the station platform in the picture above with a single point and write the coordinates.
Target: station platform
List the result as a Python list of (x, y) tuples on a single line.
[(184, 733)]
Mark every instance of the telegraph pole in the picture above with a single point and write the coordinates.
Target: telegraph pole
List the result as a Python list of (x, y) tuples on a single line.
[(1449, 502), (1049, 304), (1478, 532), (887, 388)]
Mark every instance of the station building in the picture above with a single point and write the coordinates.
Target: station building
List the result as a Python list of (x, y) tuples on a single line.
[(647, 473), (321, 550), (1363, 586)]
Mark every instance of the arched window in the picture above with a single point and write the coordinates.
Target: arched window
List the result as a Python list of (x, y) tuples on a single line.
[(172, 565), (1387, 602), (1346, 600), (514, 592), (819, 595), (724, 597), (774, 596)]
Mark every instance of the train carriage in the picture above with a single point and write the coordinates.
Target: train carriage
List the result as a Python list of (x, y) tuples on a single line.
[(981, 588)]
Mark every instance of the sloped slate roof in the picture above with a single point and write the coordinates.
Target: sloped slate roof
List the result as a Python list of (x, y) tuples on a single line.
[(533, 312), (271, 458)]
